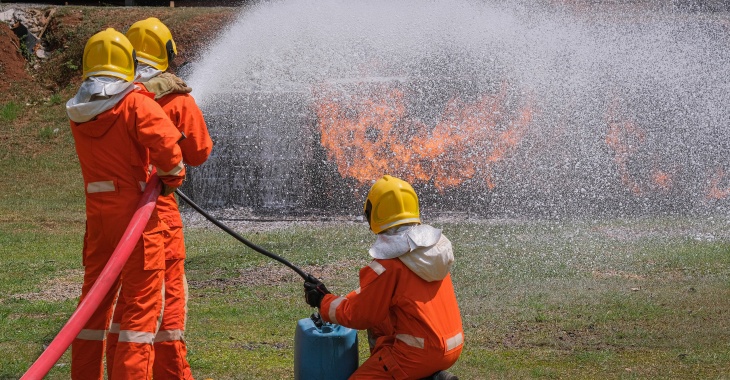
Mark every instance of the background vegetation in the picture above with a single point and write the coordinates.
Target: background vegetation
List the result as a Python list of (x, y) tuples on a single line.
[(608, 299)]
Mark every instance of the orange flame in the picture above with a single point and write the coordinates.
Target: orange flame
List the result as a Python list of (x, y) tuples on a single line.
[(662, 179), (715, 192), (370, 136), (625, 138)]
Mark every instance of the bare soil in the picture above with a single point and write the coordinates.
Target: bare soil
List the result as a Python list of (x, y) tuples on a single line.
[(61, 288), (12, 62), (28, 79)]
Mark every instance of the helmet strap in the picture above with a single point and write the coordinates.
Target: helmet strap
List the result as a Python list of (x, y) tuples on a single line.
[(368, 210), (136, 62), (170, 52)]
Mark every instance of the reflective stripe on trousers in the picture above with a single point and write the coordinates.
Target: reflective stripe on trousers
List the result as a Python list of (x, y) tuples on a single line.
[(451, 343), (87, 334), (169, 335)]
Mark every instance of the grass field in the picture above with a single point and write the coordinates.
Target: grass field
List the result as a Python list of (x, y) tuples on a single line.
[(619, 299)]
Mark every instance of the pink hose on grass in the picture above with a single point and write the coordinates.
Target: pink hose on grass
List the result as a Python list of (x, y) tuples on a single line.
[(111, 271)]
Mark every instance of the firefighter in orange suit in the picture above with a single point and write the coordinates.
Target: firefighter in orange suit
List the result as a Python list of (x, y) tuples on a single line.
[(120, 134), (406, 299), (155, 49)]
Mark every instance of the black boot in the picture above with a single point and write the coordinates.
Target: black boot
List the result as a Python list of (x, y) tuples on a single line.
[(442, 375)]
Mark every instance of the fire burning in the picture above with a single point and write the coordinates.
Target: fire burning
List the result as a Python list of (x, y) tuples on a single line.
[(625, 138), (715, 191), (661, 179), (629, 143), (375, 134)]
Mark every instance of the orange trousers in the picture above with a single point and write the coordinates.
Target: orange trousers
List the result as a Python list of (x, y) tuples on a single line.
[(391, 359), (170, 348), (140, 280)]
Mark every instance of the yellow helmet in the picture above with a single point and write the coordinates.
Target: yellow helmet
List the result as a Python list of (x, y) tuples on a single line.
[(153, 42), (109, 53), (391, 202)]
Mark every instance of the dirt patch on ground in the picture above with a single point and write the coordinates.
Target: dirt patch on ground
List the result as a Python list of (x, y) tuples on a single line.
[(12, 62), (67, 286), (524, 335)]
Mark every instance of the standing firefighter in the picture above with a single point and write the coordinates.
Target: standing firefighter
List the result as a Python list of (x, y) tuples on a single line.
[(120, 134), (406, 299), (155, 49)]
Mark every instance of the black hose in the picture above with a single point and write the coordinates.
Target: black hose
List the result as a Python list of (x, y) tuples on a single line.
[(306, 276)]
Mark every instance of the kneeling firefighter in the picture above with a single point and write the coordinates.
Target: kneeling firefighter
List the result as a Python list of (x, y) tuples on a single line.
[(406, 299)]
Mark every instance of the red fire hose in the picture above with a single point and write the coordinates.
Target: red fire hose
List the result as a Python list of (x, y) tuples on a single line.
[(111, 271)]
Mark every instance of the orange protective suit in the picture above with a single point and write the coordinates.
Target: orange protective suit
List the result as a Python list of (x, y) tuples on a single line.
[(408, 305), (170, 348), (116, 148)]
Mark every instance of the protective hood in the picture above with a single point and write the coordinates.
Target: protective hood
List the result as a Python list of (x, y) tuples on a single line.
[(146, 72), (96, 95), (422, 248)]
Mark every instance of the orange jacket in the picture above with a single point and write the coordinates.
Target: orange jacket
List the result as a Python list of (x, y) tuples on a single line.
[(196, 146), (117, 147), (187, 117), (398, 303)]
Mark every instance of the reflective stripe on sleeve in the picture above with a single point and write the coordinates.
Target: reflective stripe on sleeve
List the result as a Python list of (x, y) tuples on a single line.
[(91, 334), (410, 340), (136, 337), (332, 312), (114, 328), (455, 341), (169, 335), (377, 267), (100, 187), (174, 171)]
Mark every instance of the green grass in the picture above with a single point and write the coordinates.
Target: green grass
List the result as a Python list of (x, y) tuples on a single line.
[(647, 308), (9, 111)]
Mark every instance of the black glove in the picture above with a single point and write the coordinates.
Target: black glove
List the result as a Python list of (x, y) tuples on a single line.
[(167, 190), (314, 292)]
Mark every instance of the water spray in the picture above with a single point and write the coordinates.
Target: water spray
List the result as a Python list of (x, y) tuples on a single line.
[(508, 109), (306, 276)]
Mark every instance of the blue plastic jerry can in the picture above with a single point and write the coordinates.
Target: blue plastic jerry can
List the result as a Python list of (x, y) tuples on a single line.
[(324, 351)]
